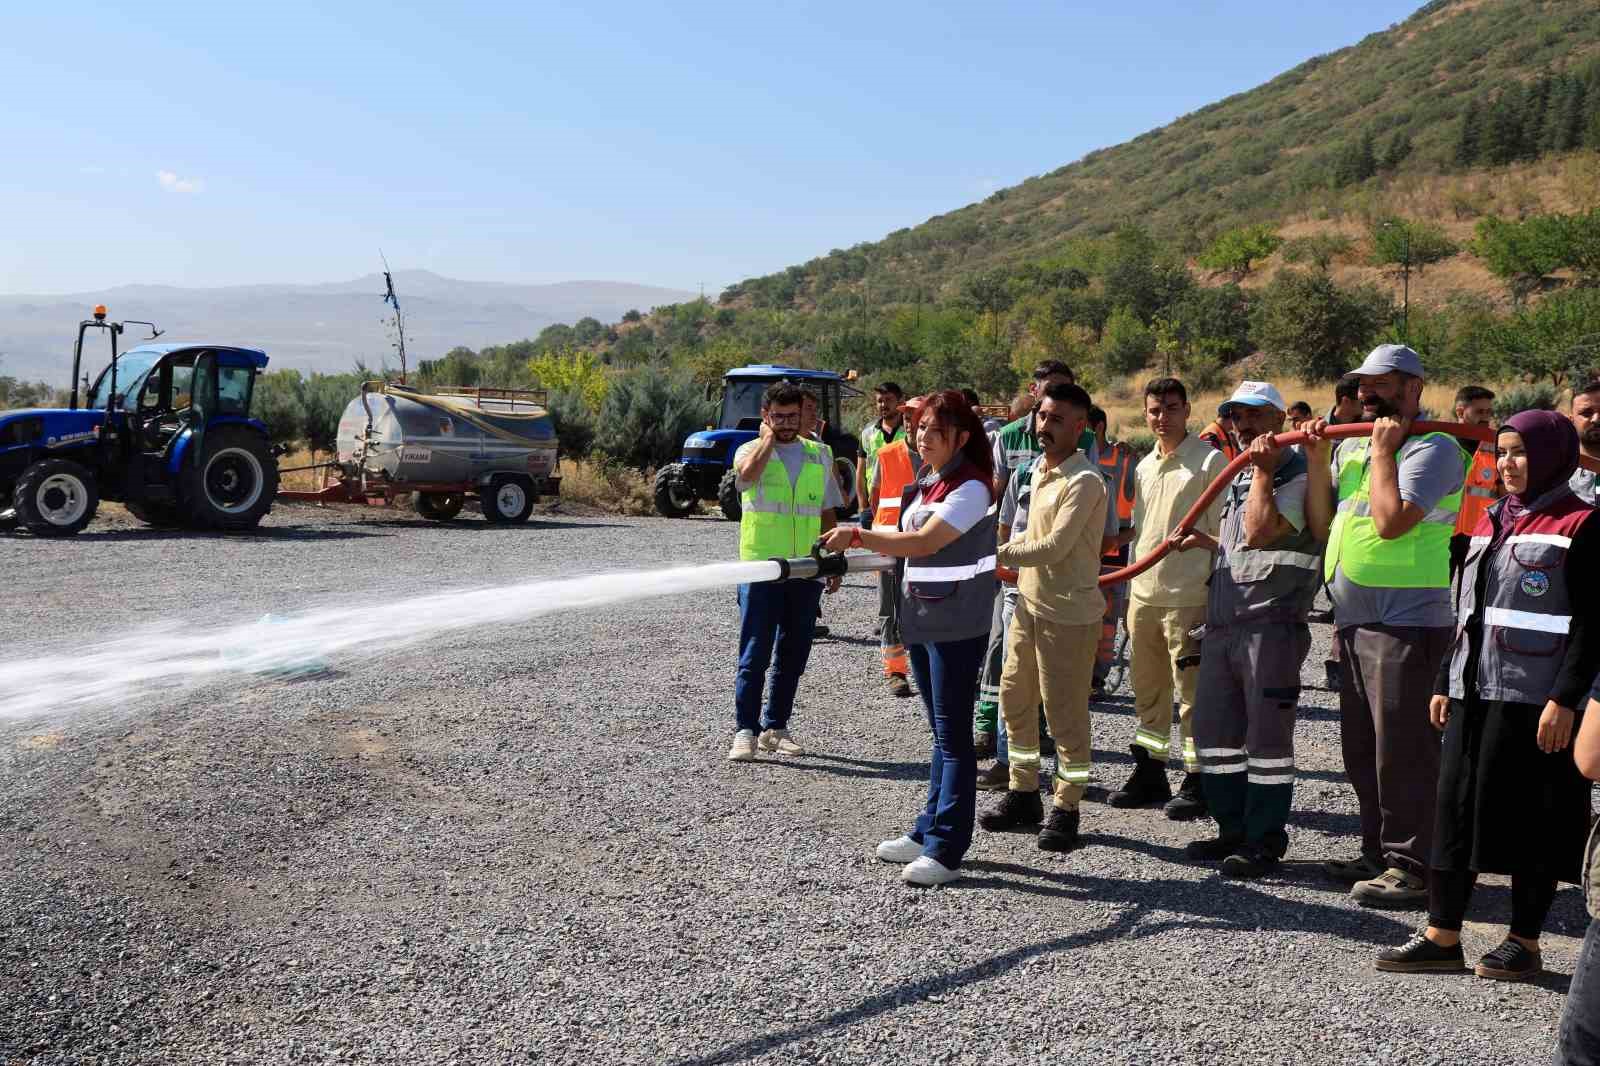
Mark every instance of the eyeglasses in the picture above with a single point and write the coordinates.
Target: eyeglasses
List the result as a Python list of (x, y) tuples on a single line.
[(784, 420)]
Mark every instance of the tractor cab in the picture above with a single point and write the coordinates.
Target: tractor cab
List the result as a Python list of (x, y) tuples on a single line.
[(165, 429), (705, 471)]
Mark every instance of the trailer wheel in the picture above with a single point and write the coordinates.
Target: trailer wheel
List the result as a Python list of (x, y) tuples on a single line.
[(674, 495), (728, 496), (159, 515), (232, 485), (439, 506), (55, 498), (844, 472), (508, 500)]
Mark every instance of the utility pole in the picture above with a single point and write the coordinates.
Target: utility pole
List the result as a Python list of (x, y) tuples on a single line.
[(1405, 277)]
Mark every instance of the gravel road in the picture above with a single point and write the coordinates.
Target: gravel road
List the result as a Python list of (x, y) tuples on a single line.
[(524, 845)]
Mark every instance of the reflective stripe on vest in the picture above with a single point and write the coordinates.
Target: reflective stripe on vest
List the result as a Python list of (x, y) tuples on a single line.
[(1530, 620), (894, 463), (1479, 492), (1418, 560), (914, 572), (873, 441), (781, 520)]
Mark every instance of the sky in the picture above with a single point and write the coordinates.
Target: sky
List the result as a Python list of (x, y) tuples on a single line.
[(685, 145)]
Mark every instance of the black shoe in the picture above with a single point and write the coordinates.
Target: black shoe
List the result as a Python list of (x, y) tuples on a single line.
[(1213, 850), (819, 631), (983, 745), (1351, 871), (1015, 810), (1333, 675), (1190, 802), (1511, 961), (1060, 832), (1421, 955), (1249, 862), (1047, 744), (1147, 786)]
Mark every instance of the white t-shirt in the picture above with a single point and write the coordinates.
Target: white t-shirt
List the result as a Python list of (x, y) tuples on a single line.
[(961, 509)]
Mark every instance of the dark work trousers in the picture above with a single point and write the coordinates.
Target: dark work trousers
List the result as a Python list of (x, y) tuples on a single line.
[(947, 678), (775, 622), (1244, 705), (1578, 1039), (1531, 896), (1391, 750)]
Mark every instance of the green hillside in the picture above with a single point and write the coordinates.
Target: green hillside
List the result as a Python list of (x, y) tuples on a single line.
[(1392, 105)]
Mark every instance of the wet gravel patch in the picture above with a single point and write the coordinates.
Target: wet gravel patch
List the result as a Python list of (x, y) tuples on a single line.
[(524, 845)]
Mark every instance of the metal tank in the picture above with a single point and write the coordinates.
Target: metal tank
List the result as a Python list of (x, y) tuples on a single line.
[(451, 436)]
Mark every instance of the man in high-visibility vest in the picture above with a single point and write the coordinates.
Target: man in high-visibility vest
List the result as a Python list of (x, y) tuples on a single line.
[(1116, 462), (1475, 407), (1392, 502), (896, 466), (788, 496), (889, 426)]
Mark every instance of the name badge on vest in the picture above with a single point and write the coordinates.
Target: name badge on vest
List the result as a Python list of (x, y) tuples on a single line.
[(1535, 583)]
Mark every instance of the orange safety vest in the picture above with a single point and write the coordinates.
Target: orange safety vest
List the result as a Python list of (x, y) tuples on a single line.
[(1221, 440), (1116, 462), (1483, 488), (895, 474)]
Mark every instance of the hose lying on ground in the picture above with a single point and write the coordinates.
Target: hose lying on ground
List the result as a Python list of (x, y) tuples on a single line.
[(1348, 429)]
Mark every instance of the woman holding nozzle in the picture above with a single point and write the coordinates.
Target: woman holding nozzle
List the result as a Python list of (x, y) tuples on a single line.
[(1511, 799), (947, 584)]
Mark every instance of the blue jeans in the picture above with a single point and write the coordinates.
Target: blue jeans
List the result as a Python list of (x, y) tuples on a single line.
[(773, 615), (947, 678), (1578, 1038)]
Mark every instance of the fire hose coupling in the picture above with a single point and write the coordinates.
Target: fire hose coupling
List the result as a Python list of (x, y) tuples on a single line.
[(822, 563)]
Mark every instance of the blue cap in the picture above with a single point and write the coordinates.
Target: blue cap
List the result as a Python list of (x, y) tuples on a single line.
[(1387, 357)]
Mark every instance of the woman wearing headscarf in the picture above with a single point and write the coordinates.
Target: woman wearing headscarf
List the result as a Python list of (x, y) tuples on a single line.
[(1511, 800)]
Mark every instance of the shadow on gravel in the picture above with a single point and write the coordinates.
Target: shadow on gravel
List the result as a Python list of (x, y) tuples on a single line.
[(1243, 909), (1333, 823), (281, 533), (471, 526), (867, 768)]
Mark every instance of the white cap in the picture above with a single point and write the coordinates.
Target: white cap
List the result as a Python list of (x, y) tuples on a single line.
[(1256, 394)]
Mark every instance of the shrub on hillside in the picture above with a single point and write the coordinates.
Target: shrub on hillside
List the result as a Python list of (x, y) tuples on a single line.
[(279, 401), (1128, 343), (646, 415), (1314, 328), (1540, 396)]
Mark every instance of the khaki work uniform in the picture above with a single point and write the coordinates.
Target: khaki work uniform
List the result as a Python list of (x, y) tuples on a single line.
[(1051, 643), (1169, 599)]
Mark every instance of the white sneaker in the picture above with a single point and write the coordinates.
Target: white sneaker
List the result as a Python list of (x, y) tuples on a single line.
[(778, 740), (744, 747), (928, 872), (900, 849)]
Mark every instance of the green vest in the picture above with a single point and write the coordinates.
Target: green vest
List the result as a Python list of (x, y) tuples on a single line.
[(1418, 560), (872, 441), (779, 520)]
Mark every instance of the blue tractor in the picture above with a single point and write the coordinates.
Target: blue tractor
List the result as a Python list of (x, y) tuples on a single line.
[(706, 470), (165, 430)]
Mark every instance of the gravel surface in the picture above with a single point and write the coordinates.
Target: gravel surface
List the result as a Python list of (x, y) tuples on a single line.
[(524, 845)]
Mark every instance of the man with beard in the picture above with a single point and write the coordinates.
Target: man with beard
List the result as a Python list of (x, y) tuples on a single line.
[(1586, 420), (1474, 407), (1254, 642), (1388, 570)]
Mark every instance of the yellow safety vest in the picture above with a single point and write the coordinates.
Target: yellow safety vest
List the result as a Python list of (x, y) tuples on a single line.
[(1418, 560), (780, 520)]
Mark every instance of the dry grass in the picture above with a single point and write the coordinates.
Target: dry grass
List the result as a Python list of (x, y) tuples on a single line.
[(608, 486), (303, 480)]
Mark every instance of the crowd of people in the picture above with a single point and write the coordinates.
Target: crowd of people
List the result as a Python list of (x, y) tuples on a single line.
[(1463, 656)]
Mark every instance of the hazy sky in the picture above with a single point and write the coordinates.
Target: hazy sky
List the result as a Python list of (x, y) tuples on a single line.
[(672, 144)]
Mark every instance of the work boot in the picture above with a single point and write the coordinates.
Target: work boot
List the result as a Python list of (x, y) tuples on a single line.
[(1190, 802), (1248, 862), (1147, 785), (1213, 850), (899, 685), (1362, 868), (996, 778), (1394, 888), (983, 744), (1060, 832), (820, 631), (1015, 810)]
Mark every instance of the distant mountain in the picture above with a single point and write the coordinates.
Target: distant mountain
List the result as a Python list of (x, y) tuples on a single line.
[(317, 326)]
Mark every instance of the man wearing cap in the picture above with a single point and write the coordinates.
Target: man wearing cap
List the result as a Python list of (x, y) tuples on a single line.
[(1255, 639), (895, 468), (1392, 501)]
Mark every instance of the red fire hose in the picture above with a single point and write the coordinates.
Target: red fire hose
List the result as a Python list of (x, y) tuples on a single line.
[(1348, 429)]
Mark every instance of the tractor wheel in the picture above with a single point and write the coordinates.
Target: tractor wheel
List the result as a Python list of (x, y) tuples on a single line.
[(674, 495), (232, 485), (844, 472), (159, 515), (728, 496), (508, 500), (439, 506), (55, 498)]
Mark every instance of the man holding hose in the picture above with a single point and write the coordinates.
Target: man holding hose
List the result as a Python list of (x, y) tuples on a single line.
[(1392, 501)]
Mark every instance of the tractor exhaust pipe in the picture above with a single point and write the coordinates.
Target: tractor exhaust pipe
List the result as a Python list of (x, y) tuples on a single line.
[(822, 563)]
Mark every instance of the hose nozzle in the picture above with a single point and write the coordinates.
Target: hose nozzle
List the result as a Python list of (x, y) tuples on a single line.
[(824, 563)]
